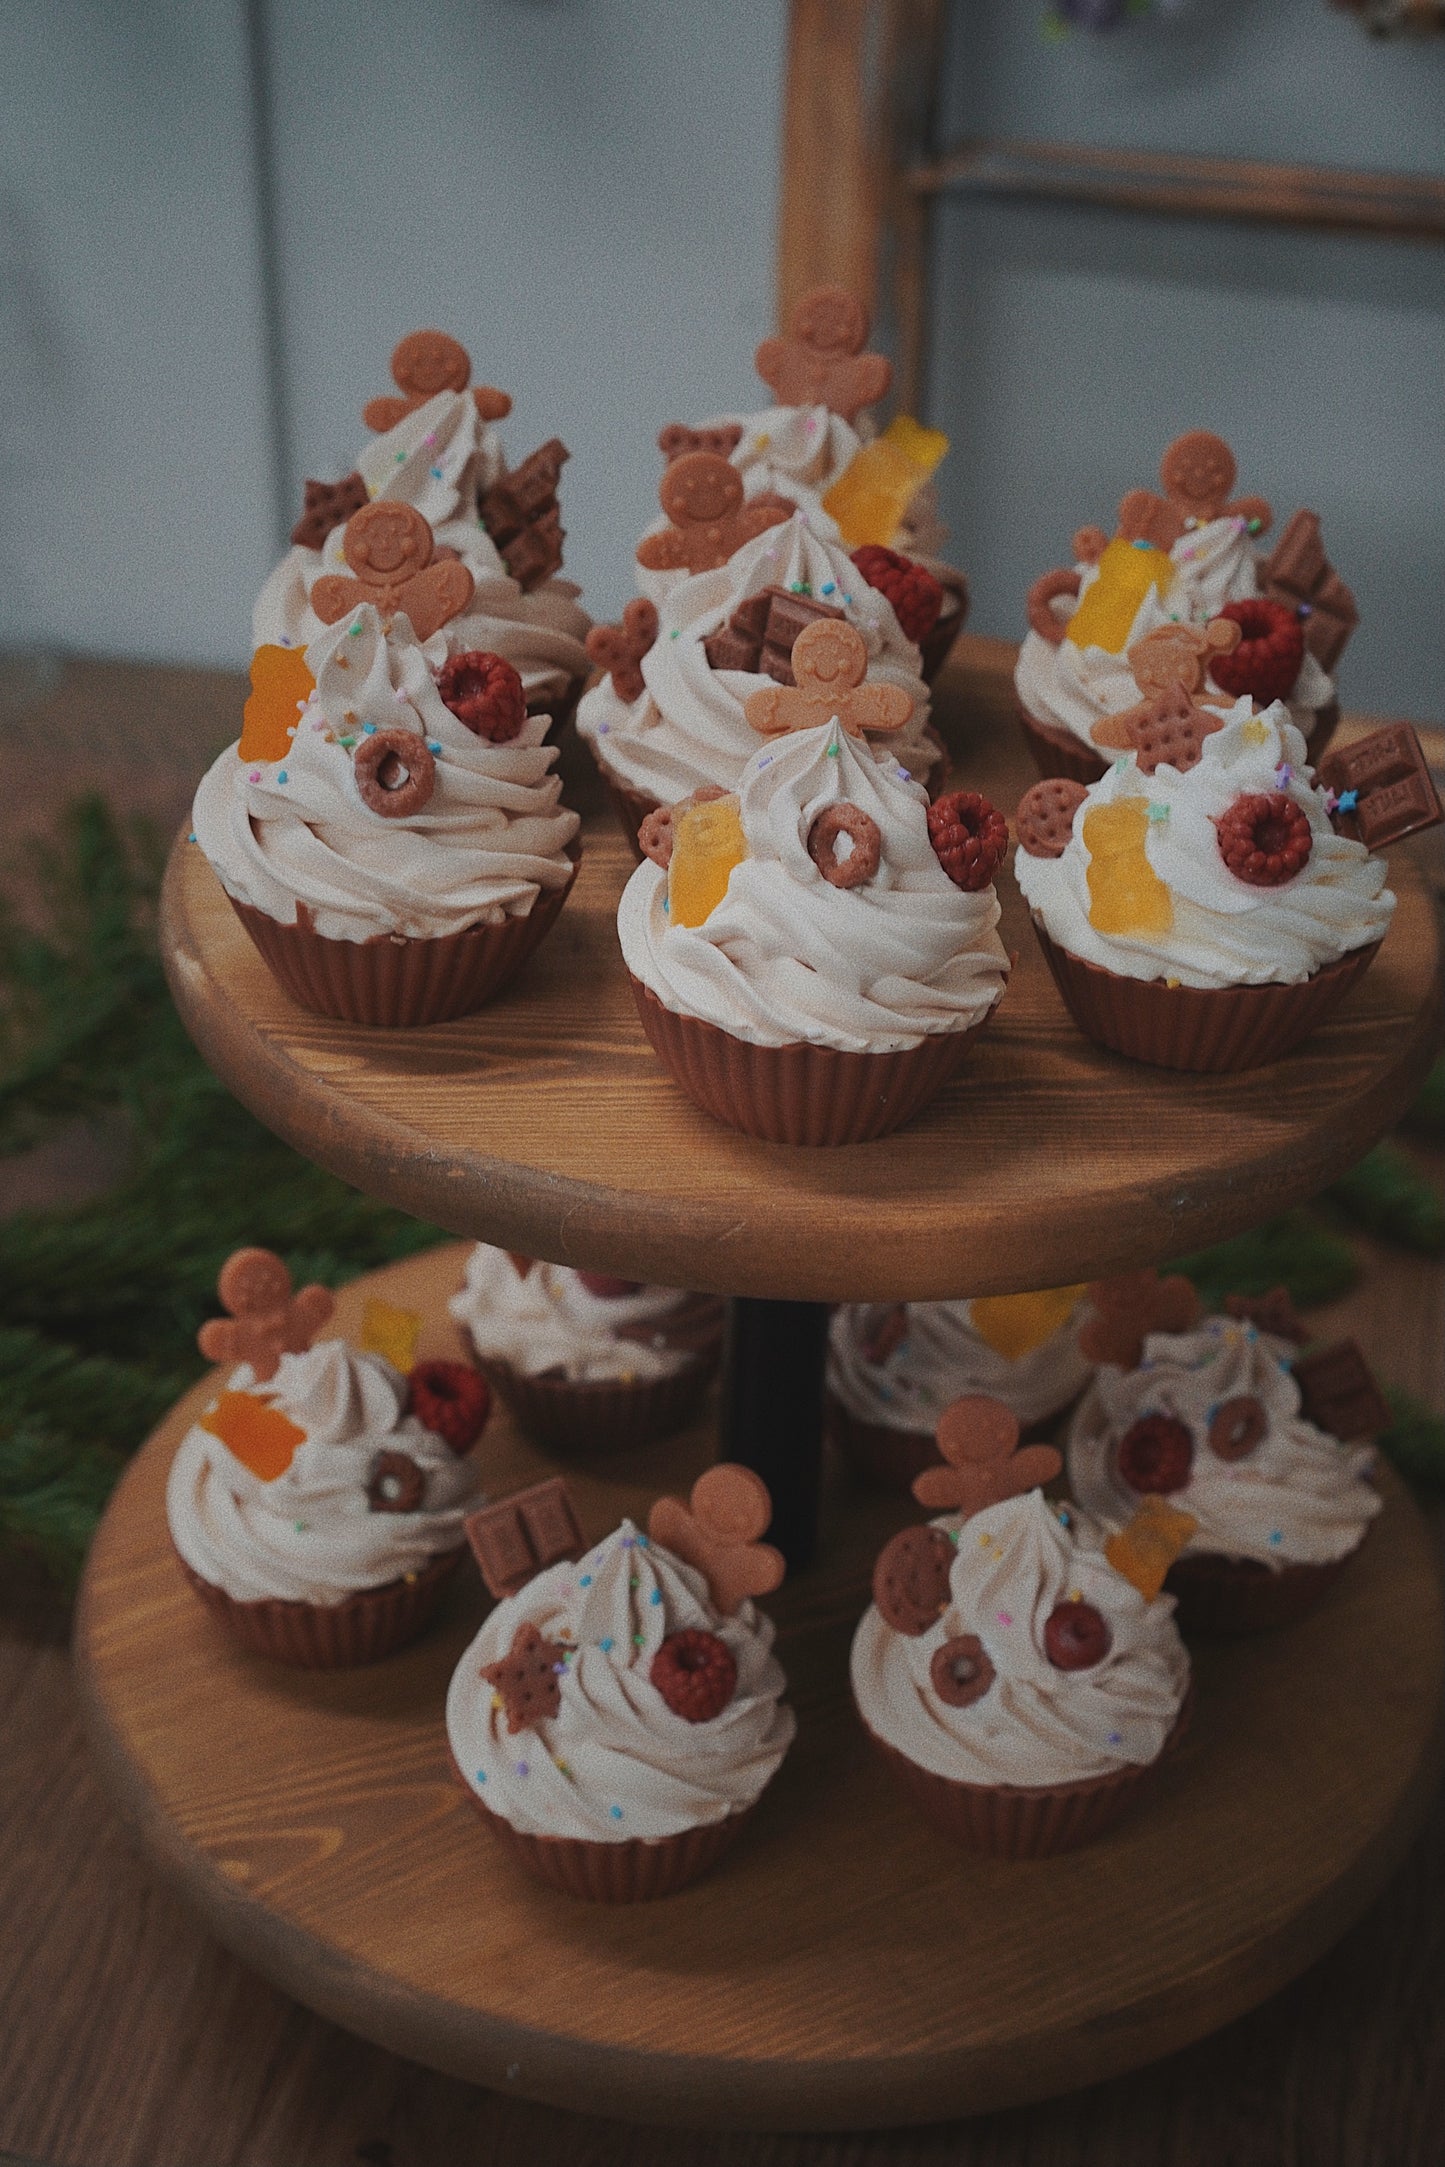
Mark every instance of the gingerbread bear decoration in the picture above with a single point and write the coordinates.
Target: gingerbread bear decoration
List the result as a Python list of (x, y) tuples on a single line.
[(702, 495), (1197, 473), (422, 364), (1273, 1312), (1170, 661), (979, 1440), (718, 1531), (677, 440), (830, 660), (389, 548), (266, 1317), (821, 360), (619, 648), (1128, 1308)]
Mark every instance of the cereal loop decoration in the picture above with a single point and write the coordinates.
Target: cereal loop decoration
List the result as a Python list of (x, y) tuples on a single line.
[(397, 1484), (1045, 591), (821, 359), (1076, 1636), (266, 1319), (961, 1672), (527, 1679), (718, 1531), (395, 773), (978, 1438), (1237, 1427), (1045, 818), (830, 661), (863, 833), (1155, 1456), (910, 1579)]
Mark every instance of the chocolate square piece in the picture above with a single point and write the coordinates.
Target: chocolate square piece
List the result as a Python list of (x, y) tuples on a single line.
[(520, 514), (1338, 1392), (1297, 571), (762, 630), (524, 1534), (1395, 794), (328, 505)]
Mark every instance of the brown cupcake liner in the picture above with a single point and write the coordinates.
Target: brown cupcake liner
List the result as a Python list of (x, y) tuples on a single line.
[(636, 1872), (395, 982), (1208, 1030), (559, 707), (364, 1628), (606, 1415), (1057, 751), (1016, 1822), (1327, 721), (1218, 1594), (631, 808), (891, 1458), (799, 1094), (938, 645)]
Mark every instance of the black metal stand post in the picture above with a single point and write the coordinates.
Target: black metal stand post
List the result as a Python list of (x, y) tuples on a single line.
[(772, 1411)]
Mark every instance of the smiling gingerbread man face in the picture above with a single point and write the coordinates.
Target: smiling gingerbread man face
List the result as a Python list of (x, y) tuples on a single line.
[(389, 548), (386, 543), (1198, 471)]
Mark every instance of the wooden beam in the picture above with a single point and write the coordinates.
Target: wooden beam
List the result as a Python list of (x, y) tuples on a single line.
[(1403, 206), (830, 197)]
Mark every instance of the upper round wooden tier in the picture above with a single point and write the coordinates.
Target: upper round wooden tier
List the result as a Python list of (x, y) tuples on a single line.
[(545, 1123)]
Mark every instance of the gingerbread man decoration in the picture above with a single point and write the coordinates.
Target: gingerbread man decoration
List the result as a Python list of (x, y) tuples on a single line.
[(1169, 660), (702, 494), (422, 364), (526, 1679), (619, 649), (267, 1319), (1197, 473), (821, 361), (830, 661), (1128, 1308), (718, 1531), (979, 1440), (390, 550)]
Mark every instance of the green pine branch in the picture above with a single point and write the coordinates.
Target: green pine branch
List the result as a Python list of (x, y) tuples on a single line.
[(1387, 1196), (1294, 1251)]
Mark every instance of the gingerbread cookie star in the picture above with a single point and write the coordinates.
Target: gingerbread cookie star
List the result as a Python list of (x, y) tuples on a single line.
[(619, 648), (718, 1531), (830, 660), (702, 494), (389, 548), (821, 361), (979, 1440), (1131, 1306), (422, 364), (527, 1679), (1197, 473), (266, 1317)]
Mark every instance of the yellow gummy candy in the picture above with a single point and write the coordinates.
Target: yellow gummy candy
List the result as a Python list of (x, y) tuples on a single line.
[(1144, 1550), (392, 1332), (1126, 895), (1014, 1324), (281, 684), (875, 489), (1105, 615), (707, 842)]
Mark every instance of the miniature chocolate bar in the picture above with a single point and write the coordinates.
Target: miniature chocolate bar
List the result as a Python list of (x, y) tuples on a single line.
[(1385, 786), (1338, 1392), (1298, 571), (760, 633), (524, 1534), (520, 514)]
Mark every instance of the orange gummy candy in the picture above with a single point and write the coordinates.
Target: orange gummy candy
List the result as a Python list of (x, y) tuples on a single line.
[(1126, 895), (281, 685), (875, 489), (1014, 1324), (1144, 1550), (261, 1437), (707, 842)]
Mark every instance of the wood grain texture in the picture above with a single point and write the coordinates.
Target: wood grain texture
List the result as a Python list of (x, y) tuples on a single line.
[(546, 1124), (314, 1823), (831, 184)]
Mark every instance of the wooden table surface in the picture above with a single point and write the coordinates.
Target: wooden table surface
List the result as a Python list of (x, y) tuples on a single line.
[(128, 2039)]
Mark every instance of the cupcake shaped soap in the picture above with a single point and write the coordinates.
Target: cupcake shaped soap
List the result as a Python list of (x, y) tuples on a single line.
[(1211, 1420), (1187, 568), (619, 1716), (811, 958), (587, 1362), (394, 860), (1020, 1684), (435, 446), (1197, 906), (318, 1504), (672, 714), (894, 1368)]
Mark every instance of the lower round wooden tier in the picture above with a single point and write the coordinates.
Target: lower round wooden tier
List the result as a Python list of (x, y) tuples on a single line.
[(842, 1968)]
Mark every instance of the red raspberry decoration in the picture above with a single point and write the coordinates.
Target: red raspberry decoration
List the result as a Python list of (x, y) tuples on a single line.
[(1271, 648), (606, 1288), (485, 693), (451, 1400), (1155, 1456), (1076, 1636), (915, 594), (1264, 838), (695, 1674), (969, 838)]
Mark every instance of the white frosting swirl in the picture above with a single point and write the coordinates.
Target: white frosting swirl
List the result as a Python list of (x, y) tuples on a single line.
[(1071, 688), (616, 1763), (1035, 1726), (1225, 932), (441, 459), (787, 957), (297, 831), (546, 1322), (943, 1356), (1300, 1497), (311, 1536), (688, 726)]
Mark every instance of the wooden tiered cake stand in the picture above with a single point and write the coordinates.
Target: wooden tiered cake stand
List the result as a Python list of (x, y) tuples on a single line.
[(843, 1968)]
